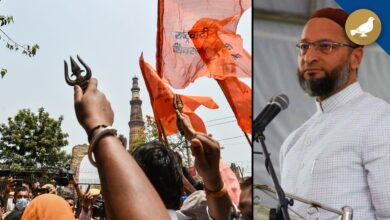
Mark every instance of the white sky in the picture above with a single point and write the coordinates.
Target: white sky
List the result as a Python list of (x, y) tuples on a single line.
[(109, 37)]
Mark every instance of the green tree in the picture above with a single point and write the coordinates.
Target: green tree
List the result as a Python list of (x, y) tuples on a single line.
[(149, 133), (178, 143), (33, 141), (12, 44)]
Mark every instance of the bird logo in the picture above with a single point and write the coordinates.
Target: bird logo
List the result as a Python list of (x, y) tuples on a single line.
[(363, 27)]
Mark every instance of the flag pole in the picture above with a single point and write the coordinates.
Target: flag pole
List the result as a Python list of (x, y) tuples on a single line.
[(163, 133), (159, 130), (247, 138)]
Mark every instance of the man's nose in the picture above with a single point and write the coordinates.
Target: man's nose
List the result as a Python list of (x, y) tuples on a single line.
[(311, 55)]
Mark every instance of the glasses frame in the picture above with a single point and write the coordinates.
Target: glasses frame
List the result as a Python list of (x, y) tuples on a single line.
[(317, 46)]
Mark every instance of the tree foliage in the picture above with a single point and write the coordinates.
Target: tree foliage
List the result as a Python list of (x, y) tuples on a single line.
[(27, 50), (149, 133), (33, 141)]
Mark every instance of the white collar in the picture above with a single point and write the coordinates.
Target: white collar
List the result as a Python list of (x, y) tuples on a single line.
[(339, 98)]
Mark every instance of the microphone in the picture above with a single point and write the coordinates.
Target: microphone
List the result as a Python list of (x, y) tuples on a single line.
[(275, 105)]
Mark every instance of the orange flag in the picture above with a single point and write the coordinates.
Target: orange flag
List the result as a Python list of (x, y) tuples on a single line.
[(222, 50), (226, 59), (239, 96), (161, 98), (178, 60)]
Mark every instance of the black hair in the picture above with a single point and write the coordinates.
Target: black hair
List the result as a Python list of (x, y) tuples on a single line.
[(70, 198), (17, 190), (179, 158), (28, 183), (20, 189), (160, 165)]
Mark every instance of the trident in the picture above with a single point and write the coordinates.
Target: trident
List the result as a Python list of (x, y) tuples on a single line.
[(80, 80)]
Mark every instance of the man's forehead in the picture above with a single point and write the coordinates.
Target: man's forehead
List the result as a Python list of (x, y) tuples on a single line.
[(21, 193), (317, 29)]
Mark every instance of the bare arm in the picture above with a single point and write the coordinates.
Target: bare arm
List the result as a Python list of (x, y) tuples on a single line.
[(188, 188), (76, 187), (8, 188), (206, 151), (125, 188)]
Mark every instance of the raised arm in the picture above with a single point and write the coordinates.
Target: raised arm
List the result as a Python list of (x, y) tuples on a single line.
[(125, 188), (206, 151)]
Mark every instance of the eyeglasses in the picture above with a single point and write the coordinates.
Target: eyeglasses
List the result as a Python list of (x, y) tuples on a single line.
[(325, 47)]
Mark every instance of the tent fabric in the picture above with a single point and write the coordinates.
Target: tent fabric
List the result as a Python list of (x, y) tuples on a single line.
[(88, 173)]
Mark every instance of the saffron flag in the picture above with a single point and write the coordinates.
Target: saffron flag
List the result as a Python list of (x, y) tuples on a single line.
[(239, 96), (161, 98), (182, 22), (222, 50), (226, 59)]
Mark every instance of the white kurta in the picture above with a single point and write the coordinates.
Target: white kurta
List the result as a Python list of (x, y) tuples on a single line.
[(341, 156)]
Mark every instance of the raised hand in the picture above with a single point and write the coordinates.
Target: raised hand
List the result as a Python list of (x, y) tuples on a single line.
[(92, 107)]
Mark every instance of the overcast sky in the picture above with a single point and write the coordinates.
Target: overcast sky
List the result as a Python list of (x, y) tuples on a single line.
[(110, 37)]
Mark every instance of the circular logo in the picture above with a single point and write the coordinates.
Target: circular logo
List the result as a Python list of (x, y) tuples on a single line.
[(363, 27)]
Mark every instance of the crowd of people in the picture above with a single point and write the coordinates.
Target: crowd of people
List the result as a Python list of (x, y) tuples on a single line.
[(151, 183), (20, 193)]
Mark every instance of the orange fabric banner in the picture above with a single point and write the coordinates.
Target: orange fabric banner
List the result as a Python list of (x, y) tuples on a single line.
[(182, 30), (222, 50), (161, 98), (239, 96), (226, 59)]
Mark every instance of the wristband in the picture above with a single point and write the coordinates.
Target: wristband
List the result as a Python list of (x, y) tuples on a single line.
[(216, 194), (108, 130), (93, 130)]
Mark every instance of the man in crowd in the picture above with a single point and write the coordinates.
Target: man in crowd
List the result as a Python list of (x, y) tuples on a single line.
[(10, 184), (20, 200), (71, 202), (341, 155), (50, 188), (164, 172)]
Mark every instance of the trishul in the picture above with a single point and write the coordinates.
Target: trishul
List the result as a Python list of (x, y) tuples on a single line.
[(80, 80), (178, 105)]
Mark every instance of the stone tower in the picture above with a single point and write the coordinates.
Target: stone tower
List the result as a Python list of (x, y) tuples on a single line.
[(136, 124)]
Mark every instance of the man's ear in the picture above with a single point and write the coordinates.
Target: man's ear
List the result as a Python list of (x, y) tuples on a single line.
[(356, 58)]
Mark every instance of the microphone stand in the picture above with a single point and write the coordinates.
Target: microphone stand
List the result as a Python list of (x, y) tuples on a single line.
[(283, 201)]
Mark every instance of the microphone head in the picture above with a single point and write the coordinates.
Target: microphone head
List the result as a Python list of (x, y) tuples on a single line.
[(281, 100)]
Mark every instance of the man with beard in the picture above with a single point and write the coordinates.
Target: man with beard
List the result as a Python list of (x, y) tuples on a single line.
[(341, 155)]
